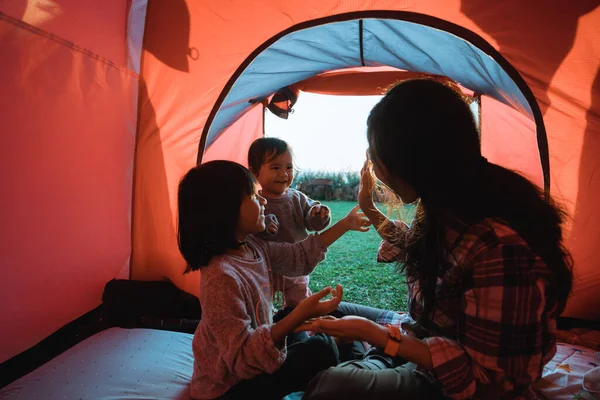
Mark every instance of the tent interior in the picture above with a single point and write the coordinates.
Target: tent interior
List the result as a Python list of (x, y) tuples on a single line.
[(106, 106)]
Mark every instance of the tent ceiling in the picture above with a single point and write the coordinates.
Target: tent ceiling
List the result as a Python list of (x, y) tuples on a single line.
[(406, 45)]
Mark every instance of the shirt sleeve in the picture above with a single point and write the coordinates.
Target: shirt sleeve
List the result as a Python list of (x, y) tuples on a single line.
[(246, 350), (313, 223), (294, 259), (390, 252), (503, 326)]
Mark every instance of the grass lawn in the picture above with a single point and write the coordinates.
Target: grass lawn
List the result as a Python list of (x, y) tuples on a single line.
[(352, 262)]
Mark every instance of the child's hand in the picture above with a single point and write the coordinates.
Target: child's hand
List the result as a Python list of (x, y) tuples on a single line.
[(320, 209), (271, 224), (272, 227), (314, 306), (357, 221)]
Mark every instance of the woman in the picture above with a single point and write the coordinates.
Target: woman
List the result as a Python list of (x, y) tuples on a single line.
[(486, 268)]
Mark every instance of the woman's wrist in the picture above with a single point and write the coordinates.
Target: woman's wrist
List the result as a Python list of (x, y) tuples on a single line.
[(366, 202), (378, 335)]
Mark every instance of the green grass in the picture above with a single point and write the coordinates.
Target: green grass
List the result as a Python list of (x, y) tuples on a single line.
[(352, 262)]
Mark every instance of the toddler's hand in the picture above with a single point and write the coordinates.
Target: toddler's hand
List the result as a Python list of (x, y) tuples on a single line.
[(271, 224), (356, 220), (273, 227), (321, 210)]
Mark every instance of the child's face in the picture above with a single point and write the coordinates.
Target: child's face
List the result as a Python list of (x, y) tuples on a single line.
[(276, 176), (252, 215)]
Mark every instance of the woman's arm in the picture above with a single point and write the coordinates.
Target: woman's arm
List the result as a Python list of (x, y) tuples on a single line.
[(362, 329), (384, 226)]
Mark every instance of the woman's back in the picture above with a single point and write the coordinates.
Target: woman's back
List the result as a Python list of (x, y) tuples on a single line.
[(491, 300)]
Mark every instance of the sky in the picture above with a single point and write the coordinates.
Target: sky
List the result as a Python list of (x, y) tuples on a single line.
[(326, 133)]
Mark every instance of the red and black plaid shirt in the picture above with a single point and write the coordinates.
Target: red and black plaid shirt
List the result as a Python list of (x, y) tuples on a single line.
[(494, 326)]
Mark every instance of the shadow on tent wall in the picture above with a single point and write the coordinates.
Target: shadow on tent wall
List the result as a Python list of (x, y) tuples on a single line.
[(152, 179), (167, 33), (589, 186), (167, 40), (550, 32), (551, 36)]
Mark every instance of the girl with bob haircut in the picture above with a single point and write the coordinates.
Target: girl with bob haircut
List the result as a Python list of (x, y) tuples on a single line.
[(238, 350)]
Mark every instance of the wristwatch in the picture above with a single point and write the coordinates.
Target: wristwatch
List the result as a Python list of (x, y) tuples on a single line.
[(395, 337)]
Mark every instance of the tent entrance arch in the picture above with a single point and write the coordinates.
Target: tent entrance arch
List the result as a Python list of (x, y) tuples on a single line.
[(403, 40)]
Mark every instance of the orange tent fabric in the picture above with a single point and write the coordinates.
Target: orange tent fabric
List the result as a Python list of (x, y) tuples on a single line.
[(92, 152), (66, 165), (554, 49)]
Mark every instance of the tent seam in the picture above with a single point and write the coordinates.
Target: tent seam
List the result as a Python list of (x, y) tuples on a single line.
[(360, 42), (66, 43)]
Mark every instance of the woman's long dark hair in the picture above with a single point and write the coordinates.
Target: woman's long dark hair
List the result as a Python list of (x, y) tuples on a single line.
[(209, 200), (423, 132)]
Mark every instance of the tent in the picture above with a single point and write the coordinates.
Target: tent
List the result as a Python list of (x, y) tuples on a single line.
[(105, 105)]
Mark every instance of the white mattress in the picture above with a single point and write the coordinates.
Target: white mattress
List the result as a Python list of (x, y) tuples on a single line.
[(114, 364), (153, 364)]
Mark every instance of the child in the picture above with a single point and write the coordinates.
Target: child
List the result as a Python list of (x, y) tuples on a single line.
[(290, 213), (238, 351)]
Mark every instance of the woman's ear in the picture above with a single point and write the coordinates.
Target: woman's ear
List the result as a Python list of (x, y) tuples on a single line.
[(399, 186), (381, 172)]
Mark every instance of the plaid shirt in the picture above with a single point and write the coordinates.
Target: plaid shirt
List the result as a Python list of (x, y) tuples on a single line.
[(494, 326)]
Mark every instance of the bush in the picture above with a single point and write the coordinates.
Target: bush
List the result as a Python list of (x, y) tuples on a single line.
[(328, 185)]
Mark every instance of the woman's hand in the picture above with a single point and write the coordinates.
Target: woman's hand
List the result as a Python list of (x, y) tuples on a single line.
[(350, 328), (367, 185), (314, 306), (356, 220)]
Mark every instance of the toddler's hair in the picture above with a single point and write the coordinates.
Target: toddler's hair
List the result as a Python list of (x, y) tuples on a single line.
[(265, 150)]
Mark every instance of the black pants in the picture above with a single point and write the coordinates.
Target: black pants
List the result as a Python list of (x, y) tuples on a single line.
[(306, 357), (371, 378), (376, 376)]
